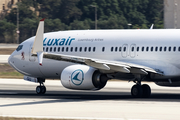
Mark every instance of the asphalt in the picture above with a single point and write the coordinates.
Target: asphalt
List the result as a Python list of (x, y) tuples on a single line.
[(4, 58), (18, 99)]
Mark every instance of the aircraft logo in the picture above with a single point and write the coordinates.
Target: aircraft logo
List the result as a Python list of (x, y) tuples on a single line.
[(58, 42), (77, 77)]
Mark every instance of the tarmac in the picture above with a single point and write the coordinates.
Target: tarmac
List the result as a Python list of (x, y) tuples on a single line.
[(114, 102), (4, 58)]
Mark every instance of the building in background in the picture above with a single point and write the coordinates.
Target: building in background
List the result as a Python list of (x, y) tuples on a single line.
[(172, 14), (5, 6)]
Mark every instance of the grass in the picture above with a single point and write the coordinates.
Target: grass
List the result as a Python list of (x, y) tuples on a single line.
[(6, 71), (6, 51), (11, 118), (11, 75)]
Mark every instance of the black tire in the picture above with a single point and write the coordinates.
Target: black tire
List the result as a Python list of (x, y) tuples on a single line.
[(146, 91), (136, 91), (38, 90), (43, 89)]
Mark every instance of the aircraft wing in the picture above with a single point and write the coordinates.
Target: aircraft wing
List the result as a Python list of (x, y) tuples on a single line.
[(107, 65)]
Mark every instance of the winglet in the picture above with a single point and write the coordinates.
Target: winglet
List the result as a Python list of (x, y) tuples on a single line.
[(38, 42), (43, 19), (152, 26), (40, 57)]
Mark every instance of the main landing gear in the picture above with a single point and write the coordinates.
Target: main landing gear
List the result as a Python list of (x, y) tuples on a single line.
[(141, 91), (41, 89)]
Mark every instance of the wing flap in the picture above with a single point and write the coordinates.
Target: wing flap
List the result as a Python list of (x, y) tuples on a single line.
[(138, 71), (98, 65), (103, 64), (119, 68)]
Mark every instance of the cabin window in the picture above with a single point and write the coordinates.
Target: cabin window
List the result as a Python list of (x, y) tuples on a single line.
[(76, 49), (89, 49), (132, 49), (80, 49), (85, 49), (116, 48), (179, 49), (62, 49), (47, 49), (43, 48), (160, 49), (174, 49), (169, 48), (147, 48), (50, 49), (142, 48), (71, 49), (58, 49), (120, 49), (94, 49), (164, 48), (67, 49), (54, 49), (156, 49), (103, 49), (124, 49), (112, 49), (151, 48), (137, 49)]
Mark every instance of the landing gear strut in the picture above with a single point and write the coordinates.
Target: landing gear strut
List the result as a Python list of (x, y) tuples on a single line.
[(41, 89), (139, 90)]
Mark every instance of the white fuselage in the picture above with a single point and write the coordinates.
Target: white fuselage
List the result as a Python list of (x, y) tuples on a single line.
[(157, 49)]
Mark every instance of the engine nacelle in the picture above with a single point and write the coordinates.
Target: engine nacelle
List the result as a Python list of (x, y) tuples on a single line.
[(82, 77)]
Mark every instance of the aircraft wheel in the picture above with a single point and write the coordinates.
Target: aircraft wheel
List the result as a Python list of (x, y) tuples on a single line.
[(137, 91), (146, 91), (40, 89), (43, 89)]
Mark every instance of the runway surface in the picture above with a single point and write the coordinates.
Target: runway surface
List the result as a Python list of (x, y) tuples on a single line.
[(18, 99), (4, 58)]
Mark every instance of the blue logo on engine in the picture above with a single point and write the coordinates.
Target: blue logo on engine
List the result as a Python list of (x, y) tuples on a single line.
[(77, 77)]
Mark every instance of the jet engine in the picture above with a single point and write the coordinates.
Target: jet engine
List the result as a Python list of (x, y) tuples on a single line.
[(82, 77)]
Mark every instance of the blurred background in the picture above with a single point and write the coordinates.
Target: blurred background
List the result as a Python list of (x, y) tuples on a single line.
[(19, 18)]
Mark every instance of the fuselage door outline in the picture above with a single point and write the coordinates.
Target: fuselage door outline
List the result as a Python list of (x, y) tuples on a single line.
[(132, 50)]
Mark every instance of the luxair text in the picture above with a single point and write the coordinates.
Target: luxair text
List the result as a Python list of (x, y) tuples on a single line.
[(58, 42)]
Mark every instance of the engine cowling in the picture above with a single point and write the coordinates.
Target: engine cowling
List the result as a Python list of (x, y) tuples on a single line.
[(82, 77)]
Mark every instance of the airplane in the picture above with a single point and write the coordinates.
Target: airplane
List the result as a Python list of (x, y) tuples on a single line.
[(87, 59)]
